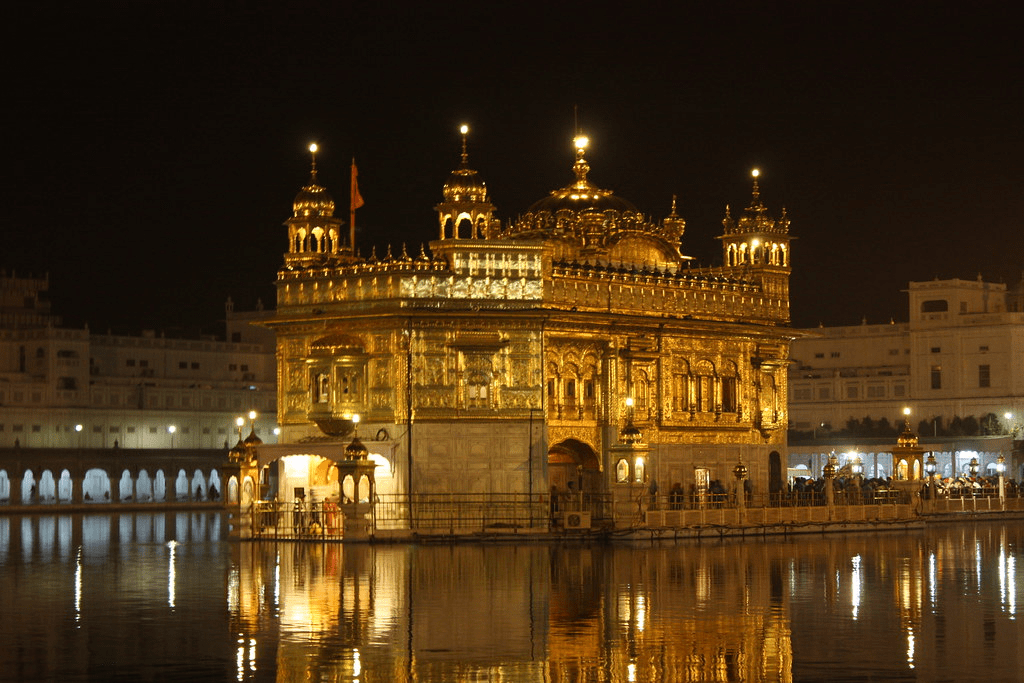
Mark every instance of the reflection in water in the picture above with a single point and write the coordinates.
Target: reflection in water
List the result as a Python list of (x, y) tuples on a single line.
[(885, 606)]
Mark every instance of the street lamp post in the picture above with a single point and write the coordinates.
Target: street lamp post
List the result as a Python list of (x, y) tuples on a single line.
[(171, 430), (829, 473), (1001, 468), (740, 472)]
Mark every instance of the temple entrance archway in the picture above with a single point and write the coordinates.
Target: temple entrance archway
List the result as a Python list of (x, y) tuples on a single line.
[(573, 466)]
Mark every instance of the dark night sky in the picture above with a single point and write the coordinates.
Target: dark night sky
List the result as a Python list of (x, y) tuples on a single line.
[(153, 149)]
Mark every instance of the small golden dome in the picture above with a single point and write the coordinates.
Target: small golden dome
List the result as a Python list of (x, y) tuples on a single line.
[(313, 200), (631, 434), (356, 450), (465, 185), (252, 439)]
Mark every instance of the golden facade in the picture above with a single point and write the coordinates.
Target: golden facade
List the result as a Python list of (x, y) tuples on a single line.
[(500, 360)]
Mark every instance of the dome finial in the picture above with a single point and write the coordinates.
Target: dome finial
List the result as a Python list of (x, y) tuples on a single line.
[(581, 167), (755, 200), (312, 155), (464, 130)]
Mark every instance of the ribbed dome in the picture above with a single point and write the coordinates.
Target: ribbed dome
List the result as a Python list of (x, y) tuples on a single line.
[(313, 200), (356, 450), (578, 199), (465, 185), (252, 439), (582, 195)]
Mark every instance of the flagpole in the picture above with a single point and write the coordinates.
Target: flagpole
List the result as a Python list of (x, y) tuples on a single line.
[(352, 210)]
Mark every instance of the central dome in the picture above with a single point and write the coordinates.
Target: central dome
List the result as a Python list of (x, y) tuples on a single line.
[(582, 195), (579, 198)]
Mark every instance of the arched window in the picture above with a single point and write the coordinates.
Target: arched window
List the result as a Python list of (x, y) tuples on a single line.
[(704, 387), (729, 382), (622, 471), (681, 387)]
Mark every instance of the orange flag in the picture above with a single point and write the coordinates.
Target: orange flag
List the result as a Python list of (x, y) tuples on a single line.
[(356, 199)]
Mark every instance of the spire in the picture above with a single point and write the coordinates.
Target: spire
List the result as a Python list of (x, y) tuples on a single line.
[(581, 168), (464, 130), (312, 155), (755, 199)]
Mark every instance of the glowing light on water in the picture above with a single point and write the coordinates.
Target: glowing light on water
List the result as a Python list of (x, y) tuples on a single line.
[(78, 585), (855, 586), (170, 573), (910, 647), (933, 581)]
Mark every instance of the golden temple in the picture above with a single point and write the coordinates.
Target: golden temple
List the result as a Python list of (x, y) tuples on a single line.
[(573, 349)]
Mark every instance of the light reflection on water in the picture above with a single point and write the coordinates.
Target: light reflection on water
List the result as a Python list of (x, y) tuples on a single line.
[(166, 596)]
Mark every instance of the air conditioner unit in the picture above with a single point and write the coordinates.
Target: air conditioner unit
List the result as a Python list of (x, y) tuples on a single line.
[(576, 520)]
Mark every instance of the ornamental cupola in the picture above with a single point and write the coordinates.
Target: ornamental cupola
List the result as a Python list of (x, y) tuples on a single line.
[(314, 234), (466, 212), (755, 238), (586, 223)]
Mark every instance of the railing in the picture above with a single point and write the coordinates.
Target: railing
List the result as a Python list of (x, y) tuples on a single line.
[(290, 520), (510, 514), (467, 513)]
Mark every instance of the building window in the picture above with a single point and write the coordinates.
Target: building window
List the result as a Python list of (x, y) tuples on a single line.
[(802, 394), (321, 388), (876, 391), (195, 366), (983, 349), (245, 367), (143, 363), (936, 377), (232, 367), (984, 376), (570, 392), (934, 306), (681, 392), (834, 354), (182, 365), (130, 362), (729, 394), (819, 355), (824, 393), (936, 349), (852, 391)]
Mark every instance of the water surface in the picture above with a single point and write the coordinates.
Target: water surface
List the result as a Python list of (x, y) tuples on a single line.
[(155, 596)]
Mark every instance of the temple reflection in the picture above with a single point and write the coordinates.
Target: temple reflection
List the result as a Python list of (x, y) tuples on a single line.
[(927, 605)]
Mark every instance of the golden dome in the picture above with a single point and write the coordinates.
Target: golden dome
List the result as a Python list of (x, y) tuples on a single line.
[(907, 439), (582, 195), (313, 200), (465, 185), (252, 439), (356, 450)]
